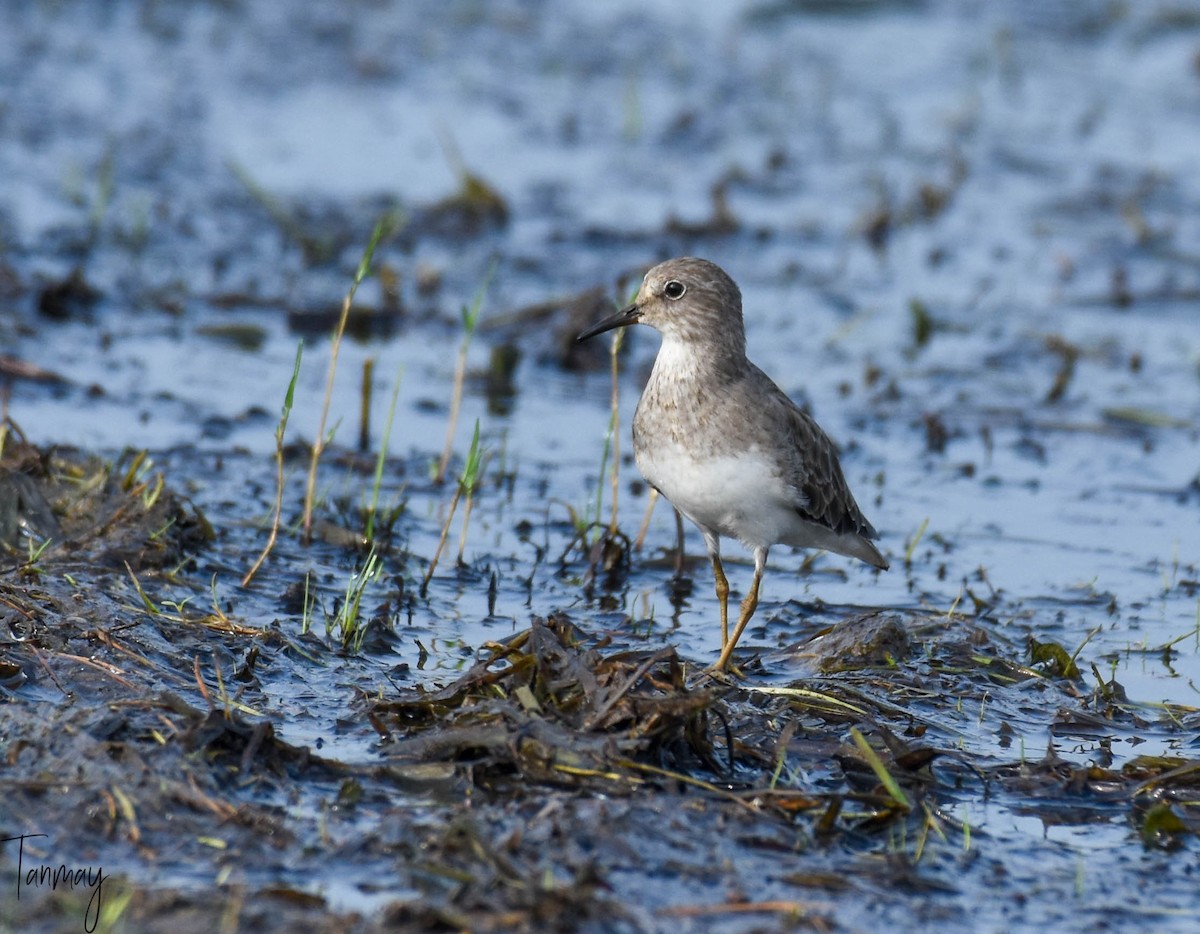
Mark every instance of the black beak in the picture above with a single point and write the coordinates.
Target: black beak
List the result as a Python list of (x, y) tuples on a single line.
[(625, 316)]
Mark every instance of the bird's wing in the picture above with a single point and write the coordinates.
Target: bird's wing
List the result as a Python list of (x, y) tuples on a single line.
[(814, 472)]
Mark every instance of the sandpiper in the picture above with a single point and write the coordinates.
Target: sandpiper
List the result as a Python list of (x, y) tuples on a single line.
[(723, 443)]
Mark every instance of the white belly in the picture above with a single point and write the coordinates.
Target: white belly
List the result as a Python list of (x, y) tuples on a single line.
[(739, 496)]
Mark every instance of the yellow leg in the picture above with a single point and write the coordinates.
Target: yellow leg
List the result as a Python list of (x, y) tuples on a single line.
[(749, 605), (722, 597)]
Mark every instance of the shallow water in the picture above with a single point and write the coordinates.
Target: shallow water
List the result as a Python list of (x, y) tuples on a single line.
[(1025, 171)]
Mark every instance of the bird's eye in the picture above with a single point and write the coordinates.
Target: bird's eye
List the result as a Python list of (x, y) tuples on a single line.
[(674, 289)]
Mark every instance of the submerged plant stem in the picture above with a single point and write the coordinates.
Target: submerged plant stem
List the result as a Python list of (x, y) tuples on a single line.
[(364, 414)]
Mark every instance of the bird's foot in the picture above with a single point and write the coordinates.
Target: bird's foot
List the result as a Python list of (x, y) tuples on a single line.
[(728, 675)]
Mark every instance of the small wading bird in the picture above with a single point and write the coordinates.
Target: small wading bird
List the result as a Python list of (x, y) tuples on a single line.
[(722, 442)]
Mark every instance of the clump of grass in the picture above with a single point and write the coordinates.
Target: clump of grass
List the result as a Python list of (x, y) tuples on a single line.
[(382, 228), (348, 623), (286, 412), (135, 480), (467, 481), (470, 320), (31, 568), (175, 612)]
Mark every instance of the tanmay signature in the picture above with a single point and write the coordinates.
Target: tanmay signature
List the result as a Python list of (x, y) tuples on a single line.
[(59, 877)]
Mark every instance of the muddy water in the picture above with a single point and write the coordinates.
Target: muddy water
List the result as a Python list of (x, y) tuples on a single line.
[(967, 238)]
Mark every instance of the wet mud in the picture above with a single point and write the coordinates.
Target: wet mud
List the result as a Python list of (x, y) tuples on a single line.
[(560, 782)]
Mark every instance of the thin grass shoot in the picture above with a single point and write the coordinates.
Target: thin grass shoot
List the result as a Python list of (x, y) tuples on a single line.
[(280, 429), (381, 457), (472, 476), (383, 227), (470, 321), (895, 792), (470, 468)]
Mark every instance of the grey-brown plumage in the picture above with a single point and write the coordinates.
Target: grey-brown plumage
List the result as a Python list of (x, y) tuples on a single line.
[(723, 443)]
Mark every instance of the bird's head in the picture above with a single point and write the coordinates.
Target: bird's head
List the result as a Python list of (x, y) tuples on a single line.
[(687, 299)]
